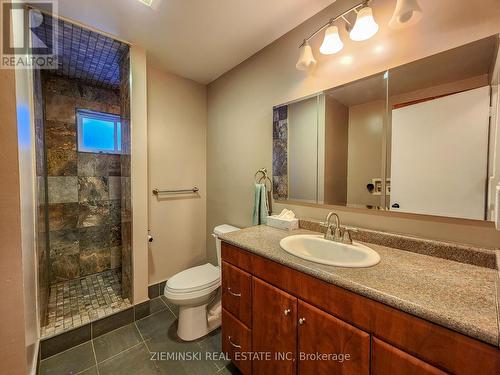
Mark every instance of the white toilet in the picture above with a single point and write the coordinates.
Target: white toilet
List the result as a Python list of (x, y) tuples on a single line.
[(193, 290)]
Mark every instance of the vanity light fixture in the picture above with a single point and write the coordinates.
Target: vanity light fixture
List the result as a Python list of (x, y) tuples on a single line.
[(332, 42), (306, 57), (365, 26), (407, 13)]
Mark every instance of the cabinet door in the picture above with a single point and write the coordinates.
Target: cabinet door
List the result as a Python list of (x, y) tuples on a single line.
[(274, 331), (328, 345), (386, 359)]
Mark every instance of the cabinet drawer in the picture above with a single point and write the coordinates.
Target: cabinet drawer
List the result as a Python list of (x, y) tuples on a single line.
[(386, 359), (237, 293), (236, 341)]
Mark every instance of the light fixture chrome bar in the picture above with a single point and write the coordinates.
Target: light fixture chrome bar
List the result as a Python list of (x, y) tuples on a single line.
[(332, 20), (179, 191)]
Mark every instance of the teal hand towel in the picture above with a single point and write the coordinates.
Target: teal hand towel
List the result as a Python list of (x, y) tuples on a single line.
[(260, 205)]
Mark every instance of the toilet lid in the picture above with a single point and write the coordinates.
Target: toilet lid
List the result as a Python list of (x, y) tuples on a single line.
[(194, 279)]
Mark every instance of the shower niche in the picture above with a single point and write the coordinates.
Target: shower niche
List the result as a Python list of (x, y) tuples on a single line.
[(82, 128)]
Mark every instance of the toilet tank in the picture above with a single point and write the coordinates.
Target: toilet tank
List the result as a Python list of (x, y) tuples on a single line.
[(218, 230)]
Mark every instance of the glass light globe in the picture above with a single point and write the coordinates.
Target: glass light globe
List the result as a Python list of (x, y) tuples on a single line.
[(365, 26), (306, 57), (331, 43)]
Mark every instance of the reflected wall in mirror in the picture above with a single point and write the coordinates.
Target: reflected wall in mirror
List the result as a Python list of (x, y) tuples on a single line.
[(440, 119), (418, 138), (329, 148)]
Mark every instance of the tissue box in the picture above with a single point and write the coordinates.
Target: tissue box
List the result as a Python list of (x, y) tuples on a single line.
[(288, 224)]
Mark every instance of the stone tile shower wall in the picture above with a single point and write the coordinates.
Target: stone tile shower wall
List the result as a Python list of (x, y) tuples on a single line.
[(126, 199), (41, 224), (84, 189), (280, 155)]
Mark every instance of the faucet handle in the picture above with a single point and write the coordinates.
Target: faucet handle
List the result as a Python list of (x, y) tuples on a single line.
[(338, 234), (346, 237), (328, 232)]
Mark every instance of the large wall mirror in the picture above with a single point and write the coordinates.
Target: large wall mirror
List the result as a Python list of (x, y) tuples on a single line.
[(420, 138)]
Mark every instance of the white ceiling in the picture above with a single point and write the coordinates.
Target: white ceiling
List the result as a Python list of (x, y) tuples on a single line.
[(196, 39)]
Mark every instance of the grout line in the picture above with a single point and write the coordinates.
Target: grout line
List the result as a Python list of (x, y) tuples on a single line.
[(140, 333), (157, 312), (116, 329), (123, 351), (81, 372), (146, 345), (162, 301), (173, 313), (168, 307), (95, 357), (142, 337), (219, 368)]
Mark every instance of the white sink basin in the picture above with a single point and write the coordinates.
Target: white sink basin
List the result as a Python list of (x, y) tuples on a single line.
[(316, 249)]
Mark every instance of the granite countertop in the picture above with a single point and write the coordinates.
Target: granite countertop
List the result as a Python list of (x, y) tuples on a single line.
[(458, 296)]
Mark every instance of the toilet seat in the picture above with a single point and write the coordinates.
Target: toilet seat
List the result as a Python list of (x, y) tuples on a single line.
[(194, 279)]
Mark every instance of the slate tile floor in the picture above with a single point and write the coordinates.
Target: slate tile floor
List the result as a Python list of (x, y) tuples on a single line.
[(76, 302), (128, 350)]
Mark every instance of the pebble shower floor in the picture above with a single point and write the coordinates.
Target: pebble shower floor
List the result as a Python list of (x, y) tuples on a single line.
[(76, 302)]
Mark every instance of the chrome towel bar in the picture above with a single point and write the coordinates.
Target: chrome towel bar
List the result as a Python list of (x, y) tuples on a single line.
[(179, 191)]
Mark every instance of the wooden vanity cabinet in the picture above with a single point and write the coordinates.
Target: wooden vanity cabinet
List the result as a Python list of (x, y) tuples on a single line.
[(291, 314), (274, 315)]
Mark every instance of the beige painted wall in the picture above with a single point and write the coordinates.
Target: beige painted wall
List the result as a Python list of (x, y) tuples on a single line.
[(19, 332), (13, 353), (239, 139), (27, 193), (336, 151), (139, 172), (427, 92), (366, 134), (495, 136), (303, 150), (177, 122)]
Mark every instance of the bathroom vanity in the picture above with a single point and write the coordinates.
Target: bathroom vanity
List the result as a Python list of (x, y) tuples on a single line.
[(410, 314)]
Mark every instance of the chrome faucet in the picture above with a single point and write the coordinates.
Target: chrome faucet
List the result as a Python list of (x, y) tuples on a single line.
[(335, 232)]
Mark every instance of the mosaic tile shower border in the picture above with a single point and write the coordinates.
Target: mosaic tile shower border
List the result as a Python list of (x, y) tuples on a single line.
[(79, 301)]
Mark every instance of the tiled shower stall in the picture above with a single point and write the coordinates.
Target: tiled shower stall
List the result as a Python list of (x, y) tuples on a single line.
[(84, 223)]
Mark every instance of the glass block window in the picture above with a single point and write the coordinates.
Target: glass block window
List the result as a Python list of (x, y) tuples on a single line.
[(99, 132)]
